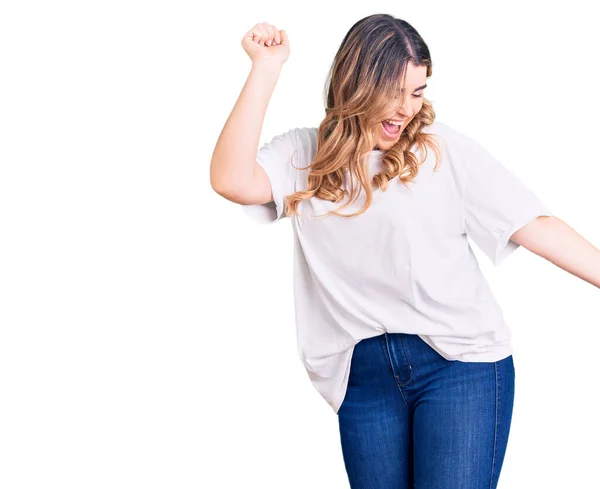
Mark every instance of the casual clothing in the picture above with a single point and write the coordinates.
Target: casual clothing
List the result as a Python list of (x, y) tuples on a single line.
[(411, 418), (403, 266)]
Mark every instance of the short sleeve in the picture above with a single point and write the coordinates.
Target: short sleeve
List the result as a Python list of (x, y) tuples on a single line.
[(278, 158), (497, 204)]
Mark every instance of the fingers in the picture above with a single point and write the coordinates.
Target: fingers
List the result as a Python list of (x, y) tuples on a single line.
[(274, 35), (260, 33), (270, 30), (266, 28), (267, 34)]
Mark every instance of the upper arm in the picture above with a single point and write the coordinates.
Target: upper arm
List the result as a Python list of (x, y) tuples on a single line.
[(533, 235), (274, 178)]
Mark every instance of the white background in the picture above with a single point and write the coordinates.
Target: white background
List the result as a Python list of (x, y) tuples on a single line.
[(147, 335)]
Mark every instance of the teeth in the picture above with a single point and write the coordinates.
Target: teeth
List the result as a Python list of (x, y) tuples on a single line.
[(395, 123)]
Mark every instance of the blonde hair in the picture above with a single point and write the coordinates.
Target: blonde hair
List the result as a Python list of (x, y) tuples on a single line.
[(367, 73)]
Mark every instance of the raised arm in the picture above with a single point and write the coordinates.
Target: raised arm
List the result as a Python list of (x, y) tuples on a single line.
[(234, 172)]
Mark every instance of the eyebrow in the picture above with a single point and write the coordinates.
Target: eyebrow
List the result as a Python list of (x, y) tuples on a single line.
[(419, 88)]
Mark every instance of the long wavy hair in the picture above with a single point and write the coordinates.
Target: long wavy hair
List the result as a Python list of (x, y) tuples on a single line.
[(363, 83)]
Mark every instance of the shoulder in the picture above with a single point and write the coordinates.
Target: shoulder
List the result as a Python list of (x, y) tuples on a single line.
[(305, 142), (459, 147), (451, 136), (306, 136), (296, 138)]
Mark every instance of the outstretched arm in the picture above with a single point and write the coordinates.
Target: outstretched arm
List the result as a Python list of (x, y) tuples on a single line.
[(556, 241)]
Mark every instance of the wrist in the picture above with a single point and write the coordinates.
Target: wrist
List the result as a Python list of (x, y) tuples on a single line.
[(267, 66)]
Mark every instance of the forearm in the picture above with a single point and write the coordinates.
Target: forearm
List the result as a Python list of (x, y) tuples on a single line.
[(554, 240), (234, 156)]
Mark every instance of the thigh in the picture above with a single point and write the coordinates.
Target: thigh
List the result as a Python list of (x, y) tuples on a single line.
[(375, 423), (461, 425)]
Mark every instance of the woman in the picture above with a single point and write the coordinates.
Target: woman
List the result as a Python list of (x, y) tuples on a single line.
[(397, 327)]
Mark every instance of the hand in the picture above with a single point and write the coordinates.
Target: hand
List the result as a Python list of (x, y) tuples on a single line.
[(264, 42)]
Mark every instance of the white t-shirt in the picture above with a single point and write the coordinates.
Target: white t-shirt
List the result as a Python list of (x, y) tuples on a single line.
[(403, 266)]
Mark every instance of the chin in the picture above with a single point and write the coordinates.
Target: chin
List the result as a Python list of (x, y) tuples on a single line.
[(386, 145)]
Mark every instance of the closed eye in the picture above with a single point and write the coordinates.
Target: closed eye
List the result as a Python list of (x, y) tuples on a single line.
[(418, 96)]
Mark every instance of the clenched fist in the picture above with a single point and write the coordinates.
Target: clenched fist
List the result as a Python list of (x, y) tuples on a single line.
[(264, 42)]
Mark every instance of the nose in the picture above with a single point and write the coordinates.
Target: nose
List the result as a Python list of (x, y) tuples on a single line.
[(406, 109)]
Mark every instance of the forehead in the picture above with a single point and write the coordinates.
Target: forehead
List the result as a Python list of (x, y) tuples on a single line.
[(416, 76)]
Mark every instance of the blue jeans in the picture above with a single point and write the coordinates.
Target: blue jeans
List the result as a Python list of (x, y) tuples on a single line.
[(412, 419)]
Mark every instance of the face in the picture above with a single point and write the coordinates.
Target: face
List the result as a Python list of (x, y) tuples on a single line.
[(413, 101)]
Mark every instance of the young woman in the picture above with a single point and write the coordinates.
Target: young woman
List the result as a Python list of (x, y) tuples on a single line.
[(397, 327)]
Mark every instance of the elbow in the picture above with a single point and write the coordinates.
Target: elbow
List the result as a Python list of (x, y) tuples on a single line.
[(216, 185), (232, 186), (217, 179), (224, 190)]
